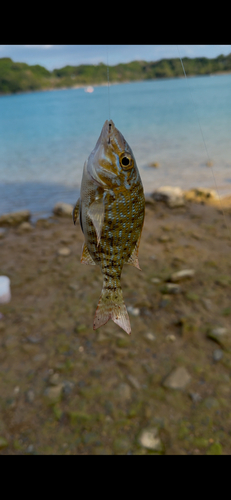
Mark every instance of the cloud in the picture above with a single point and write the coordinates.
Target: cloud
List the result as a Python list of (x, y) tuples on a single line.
[(40, 46)]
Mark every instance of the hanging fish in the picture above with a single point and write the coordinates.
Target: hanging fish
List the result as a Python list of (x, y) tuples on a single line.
[(111, 214)]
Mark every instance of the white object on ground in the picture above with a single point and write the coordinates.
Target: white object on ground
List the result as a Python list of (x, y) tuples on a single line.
[(5, 294)]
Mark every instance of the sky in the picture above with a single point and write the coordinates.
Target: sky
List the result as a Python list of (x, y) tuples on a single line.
[(57, 56)]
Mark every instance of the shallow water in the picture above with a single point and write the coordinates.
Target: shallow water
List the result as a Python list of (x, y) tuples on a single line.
[(45, 137)]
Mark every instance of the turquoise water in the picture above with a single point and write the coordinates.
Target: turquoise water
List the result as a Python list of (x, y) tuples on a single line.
[(45, 137)]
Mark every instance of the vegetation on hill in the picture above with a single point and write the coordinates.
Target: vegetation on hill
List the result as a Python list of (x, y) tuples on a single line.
[(21, 77)]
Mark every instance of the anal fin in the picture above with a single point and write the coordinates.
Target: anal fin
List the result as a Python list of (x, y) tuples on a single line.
[(86, 257), (133, 259), (96, 214)]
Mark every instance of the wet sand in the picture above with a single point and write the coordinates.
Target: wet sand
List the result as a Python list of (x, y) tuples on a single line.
[(66, 389)]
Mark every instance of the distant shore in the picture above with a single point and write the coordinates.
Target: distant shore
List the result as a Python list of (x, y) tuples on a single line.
[(105, 84)]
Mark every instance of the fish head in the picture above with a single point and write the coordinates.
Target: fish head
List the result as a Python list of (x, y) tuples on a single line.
[(111, 162)]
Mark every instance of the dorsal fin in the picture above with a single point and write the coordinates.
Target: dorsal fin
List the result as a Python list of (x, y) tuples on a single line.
[(133, 259), (96, 214), (86, 257)]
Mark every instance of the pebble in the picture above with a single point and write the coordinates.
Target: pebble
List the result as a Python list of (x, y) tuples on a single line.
[(150, 336), (25, 227), (134, 382), (134, 311), (177, 379), (14, 218), (219, 335), (53, 394), (149, 200), (54, 379), (124, 392), (30, 396), (149, 439), (183, 274), (172, 288), (217, 355), (30, 448), (172, 196), (170, 338), (195, 397), (64, 251), (155, 280), (63, 209), (5, 292)]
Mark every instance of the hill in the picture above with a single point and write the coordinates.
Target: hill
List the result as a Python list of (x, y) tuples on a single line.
[(22, 77)]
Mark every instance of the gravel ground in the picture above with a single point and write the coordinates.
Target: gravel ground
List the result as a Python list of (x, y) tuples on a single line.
[(166, 389)]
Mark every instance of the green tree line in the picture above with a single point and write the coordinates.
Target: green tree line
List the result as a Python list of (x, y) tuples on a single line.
[(22, 77)]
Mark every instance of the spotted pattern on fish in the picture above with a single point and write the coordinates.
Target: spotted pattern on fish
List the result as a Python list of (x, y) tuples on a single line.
[(112, 215)]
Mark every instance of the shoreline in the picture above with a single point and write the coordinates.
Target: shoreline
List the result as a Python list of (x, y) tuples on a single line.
[(105, 84)]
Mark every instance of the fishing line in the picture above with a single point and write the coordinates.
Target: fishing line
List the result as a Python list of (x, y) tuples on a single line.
[(205, 146), (108, 84)]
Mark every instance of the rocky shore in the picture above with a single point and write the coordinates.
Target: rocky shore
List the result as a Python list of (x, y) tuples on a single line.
[(166, 389)]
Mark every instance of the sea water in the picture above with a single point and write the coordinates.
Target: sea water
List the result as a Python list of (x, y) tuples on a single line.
[(45, 137)]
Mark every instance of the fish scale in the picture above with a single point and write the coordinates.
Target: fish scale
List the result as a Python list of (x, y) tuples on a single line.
[(111, 212)]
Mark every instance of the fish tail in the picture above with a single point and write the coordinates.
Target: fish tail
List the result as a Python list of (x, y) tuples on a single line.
[(111, 306)]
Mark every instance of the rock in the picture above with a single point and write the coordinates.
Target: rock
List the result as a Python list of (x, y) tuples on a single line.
[(2, 232), (30, 448), (3, 443), (134, 382), (30, 396), (195, 397), (14, 218), (181, 275), (201, 194), (134, 311), (150, 336), (63, 209), (124, 392), (54, 379), (149, 439), (149, 200), (5, 294), (68, 387), (178, 379), (171, 288), (219, 335), (170, 338), (64, 251), (207, 303), (217, 355), (155, 280), (53, 394), (172, 196), (25, 227)]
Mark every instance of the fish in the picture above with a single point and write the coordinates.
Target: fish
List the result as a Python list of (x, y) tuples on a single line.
[(111, 211)]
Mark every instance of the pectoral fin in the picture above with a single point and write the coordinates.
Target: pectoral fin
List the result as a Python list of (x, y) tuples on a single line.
[(133, 259), (96, 214), (86, 257), (75, 213)]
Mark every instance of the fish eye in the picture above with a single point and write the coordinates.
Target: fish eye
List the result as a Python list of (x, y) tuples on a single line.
[(126, 161)]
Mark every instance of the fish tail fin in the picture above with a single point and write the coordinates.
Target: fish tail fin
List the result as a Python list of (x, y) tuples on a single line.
[(111, 306)]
